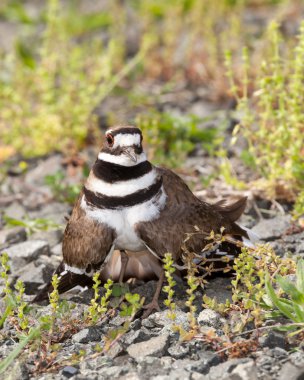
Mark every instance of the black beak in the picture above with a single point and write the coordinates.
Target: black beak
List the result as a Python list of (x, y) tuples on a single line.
[(129, 152)]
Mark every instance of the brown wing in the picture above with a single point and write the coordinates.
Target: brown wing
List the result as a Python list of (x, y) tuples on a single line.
[(85, 246), (85, 242), (182, 212)]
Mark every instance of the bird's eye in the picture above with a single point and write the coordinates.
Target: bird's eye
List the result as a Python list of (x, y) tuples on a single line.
[(110, 139)]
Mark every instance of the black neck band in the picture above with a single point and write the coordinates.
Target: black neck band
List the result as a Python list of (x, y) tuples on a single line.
[(104, 201), (109, 172)]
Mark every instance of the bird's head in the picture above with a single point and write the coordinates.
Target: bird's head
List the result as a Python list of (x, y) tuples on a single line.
[(123, 146)]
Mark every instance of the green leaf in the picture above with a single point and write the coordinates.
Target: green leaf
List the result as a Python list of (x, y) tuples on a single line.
[(300, 275), (299, 313), (291, 290), (132, 298), (119, 290), (276, 301)]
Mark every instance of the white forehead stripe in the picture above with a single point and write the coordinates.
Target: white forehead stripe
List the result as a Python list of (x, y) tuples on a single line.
[(126, 139), (122, 159)]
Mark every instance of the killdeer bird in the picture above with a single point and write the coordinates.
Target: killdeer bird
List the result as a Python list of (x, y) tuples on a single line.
[(128, 204)]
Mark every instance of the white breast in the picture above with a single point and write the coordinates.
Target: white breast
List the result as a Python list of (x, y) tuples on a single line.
[(123, 220)]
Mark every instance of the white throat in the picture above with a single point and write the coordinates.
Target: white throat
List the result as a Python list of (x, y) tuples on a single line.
[(122, 159)]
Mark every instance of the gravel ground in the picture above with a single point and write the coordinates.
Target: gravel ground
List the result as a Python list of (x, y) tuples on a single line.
[(150, 349)]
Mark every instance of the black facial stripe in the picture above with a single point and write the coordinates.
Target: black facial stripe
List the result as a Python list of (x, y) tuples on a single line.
[(140, 196), (126, 130), (109, 172)]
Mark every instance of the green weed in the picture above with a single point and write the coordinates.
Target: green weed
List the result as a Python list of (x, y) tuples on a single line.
[(248, 286), (97, 310), (172, 138), (31, 225), (47, 103), (169, 270), (272, 120), (289, 300), (62, 191)]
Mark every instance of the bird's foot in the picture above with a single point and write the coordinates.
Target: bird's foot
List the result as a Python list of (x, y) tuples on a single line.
[(150, 307)]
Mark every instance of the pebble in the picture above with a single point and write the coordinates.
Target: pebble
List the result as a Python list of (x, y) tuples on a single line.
[(53, 237), (12, 236), (291, 372), (273, 339), (69, 371), (22, 253), (209, 317), (156, 346), (271, 229), (90, 334)]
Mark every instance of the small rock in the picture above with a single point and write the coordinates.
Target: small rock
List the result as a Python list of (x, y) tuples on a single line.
[(23, 253), (245, 371), (113, 372), (173, 375), (12, 236), (219, 288), (223, 370), (209, 317), (207, 360), (273, 339), (291, 372), (271, 229), (53, 237), (15, 211), (160, 319), (134, 337), (116, 350), (278, 352), (297, 358), (18, 371), (54, 211), (156, 346), (178, 351), (33, 276), (57, 250), (90, 334), (49, 166), (96, 364), (69, 371), (131, 376)]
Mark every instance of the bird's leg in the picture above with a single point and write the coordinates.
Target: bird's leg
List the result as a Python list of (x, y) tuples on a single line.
[(153, 305), (124, 262)]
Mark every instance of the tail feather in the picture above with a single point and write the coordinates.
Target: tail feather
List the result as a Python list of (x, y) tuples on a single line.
[(67, 280), (233, 211)]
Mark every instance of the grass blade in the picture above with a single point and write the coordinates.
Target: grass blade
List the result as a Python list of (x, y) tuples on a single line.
[(12, 356), (300, 275), (291, 290), (276, 301)]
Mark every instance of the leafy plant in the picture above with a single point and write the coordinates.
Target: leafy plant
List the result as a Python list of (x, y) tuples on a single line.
[(96, 310), (47, 103), (193, 283), (172, 138), (62, 191), (248, 286), (289, 299), (4, 275), (31, 225), (272, 121), (21, 305), (169, 270)]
